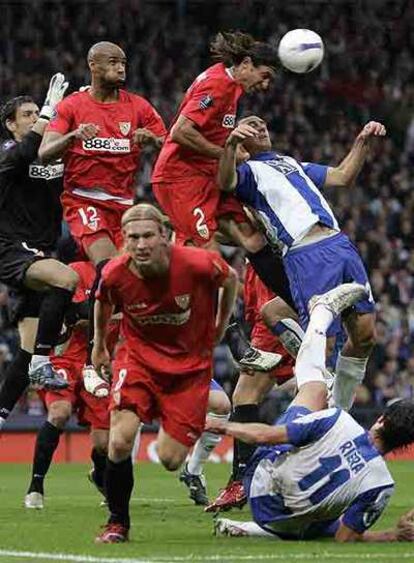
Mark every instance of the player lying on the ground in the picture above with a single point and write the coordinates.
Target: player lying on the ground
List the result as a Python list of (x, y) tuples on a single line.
[(171, 322), (284, 195), (320, 473), (251, 388), (91, 411)]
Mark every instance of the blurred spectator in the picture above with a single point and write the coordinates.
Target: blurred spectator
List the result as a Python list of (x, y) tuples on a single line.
[(368, 73)]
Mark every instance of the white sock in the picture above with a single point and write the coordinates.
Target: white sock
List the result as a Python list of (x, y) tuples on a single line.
[(350, 373), (253, 530), (203, 448), (137, 442), (310, 363), (290, 335), (38, 361), (2, 422)]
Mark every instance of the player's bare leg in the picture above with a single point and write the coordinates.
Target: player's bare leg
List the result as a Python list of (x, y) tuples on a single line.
[(248, 394), (99, 252), (170, 451), (47, 441), (59, 282), (192, 476), (352, 361), (119, 480)]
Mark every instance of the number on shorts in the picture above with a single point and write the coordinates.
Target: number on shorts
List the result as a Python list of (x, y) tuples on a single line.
[(89, 216), (63, 373), (121, 378), (201, 226)]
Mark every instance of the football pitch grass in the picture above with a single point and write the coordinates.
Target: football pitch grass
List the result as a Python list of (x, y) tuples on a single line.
[(166, 526)]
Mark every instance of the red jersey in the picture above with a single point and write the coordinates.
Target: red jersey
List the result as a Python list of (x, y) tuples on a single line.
[(211, 103), (107, 163), (168, 322)]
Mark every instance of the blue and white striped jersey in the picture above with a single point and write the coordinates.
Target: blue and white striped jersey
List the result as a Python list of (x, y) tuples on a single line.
[(330, 469), (284, 196)]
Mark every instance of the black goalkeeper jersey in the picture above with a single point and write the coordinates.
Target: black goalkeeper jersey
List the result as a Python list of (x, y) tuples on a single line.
[(30, 208)]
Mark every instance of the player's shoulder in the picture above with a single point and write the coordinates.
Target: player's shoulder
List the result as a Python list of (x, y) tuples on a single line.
[(132, 97), (74, 99), (197, 260), (214, 77), (115, 267)]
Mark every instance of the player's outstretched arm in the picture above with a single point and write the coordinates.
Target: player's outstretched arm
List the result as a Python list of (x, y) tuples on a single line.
[(345, 174), (251, 433), (54, 144), (404, 531), (185, 133)]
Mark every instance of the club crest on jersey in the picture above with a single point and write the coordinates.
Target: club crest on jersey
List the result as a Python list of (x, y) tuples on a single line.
[(183, 301), (229, 121), (206, 102), (125, 127)]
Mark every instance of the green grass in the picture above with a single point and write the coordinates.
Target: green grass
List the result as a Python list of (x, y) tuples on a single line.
[(166, 525)]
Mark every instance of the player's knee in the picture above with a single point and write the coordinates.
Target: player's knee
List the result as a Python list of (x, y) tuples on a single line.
[(119, 448), (219, 404), (71, 280), (170, 461), (59, 416), (273, 311)]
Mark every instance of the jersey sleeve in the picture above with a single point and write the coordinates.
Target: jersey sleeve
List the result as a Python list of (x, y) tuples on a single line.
[(246, 186), (205, 102), (311, 427), (219, 269), (62, 121), (367, 508), (105, 292), (13, 155), (316, 172), (151, 119)]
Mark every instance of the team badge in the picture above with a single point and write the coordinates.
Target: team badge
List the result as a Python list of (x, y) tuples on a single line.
[(206, 102), (125, 127), (183, 300)]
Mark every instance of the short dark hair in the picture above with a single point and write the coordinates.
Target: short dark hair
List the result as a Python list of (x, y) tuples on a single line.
[(9, 110), (232, 47), (397, 430)]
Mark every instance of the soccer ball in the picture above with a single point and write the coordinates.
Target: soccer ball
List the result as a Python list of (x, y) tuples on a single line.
[(301, 50)]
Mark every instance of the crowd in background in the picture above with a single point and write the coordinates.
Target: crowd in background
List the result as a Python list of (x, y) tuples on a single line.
[(367, 73)]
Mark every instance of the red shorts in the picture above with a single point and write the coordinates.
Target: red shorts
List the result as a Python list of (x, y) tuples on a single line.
[(89, 410), (194, 205), (262, 338), (180, 402), (90, 220)]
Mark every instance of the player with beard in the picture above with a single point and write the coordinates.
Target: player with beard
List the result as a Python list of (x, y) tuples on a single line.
[(100, 168)]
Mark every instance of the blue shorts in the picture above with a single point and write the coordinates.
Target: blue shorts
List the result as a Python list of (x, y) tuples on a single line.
[(321, 266), (214, 386)]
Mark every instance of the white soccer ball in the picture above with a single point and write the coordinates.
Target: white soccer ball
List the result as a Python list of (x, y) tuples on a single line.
[(301, 50)]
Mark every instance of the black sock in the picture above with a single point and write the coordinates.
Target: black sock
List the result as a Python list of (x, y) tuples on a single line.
[(243, 451), (91, 326), (15, 381), (268, 265), (119, 482), (77, 312), (99, 466), (46, 443), (52, 313), (236, 340)]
